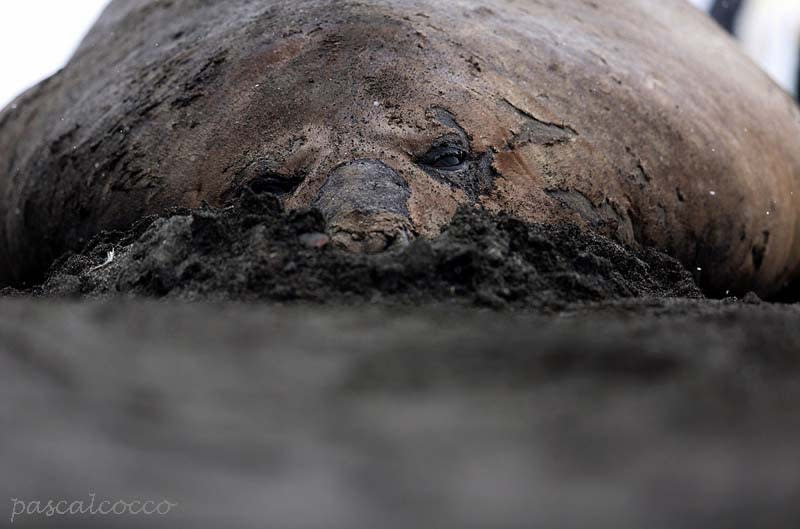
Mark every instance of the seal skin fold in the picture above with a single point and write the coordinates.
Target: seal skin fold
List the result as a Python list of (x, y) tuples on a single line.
[(635, 118)]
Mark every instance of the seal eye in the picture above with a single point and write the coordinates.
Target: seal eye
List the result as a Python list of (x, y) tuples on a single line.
[(449, 161), (445, 158)]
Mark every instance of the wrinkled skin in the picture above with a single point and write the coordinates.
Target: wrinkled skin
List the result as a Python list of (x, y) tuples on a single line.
[(636, 118)]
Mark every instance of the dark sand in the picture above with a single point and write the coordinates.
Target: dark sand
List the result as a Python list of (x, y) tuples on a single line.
[(625, 415), (503, 375), (251, 250)]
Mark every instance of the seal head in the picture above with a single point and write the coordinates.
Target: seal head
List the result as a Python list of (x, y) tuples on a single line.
[(637, 119)]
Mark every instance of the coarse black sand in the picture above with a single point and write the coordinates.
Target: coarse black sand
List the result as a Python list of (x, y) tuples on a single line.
[(252, 250), (501, 375), (659, 413)]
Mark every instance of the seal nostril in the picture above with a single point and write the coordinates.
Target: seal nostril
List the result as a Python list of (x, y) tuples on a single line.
[(275, 183), (262, 176)]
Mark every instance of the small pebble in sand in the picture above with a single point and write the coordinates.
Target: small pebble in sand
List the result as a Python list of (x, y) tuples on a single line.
[(315, 240), (751, 299)]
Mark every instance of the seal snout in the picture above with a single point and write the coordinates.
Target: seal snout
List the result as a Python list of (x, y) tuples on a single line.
[(365, 205)]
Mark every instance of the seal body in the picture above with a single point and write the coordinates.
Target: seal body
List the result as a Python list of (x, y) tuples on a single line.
[(638, 119)]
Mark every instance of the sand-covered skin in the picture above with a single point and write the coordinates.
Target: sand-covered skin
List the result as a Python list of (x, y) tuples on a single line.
[(637, 119)]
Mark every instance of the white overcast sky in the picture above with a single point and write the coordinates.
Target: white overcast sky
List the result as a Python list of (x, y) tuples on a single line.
[(37, 37)]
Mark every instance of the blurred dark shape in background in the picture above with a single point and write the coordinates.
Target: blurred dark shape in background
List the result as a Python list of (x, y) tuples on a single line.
[(769, 31), (725, 12)]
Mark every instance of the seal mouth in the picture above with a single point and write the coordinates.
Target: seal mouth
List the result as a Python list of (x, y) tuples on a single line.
[(370, 233), (365, 206)]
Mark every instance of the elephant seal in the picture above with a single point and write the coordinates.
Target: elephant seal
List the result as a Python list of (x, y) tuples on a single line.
[(638, 119)]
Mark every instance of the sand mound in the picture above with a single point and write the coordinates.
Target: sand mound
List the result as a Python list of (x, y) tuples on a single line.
[(253, 250)]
